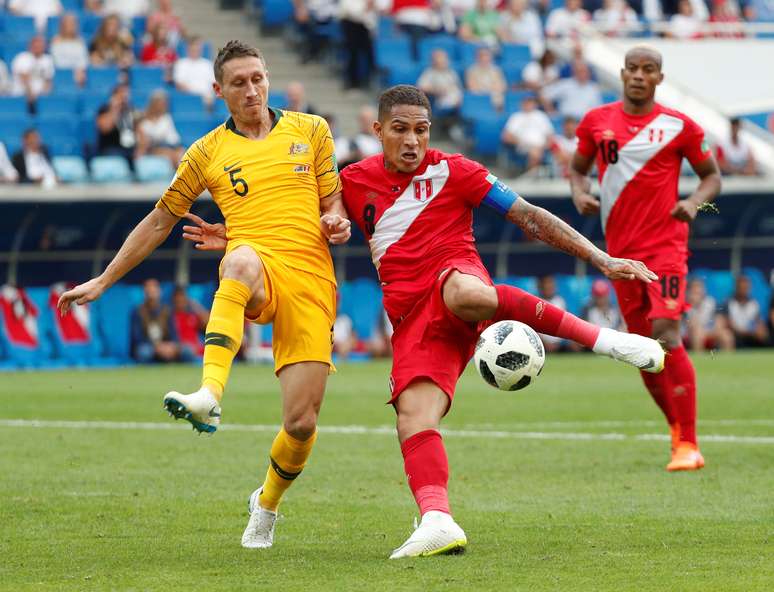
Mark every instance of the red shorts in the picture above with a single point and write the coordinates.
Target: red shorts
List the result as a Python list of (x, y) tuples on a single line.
[(664, 298), (431, 342)]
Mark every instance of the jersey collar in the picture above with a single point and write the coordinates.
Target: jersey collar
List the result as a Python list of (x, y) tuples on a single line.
[(277, 115)]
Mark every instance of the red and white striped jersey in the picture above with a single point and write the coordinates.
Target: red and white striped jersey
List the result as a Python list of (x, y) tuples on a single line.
[(415, 223), (639, 159)]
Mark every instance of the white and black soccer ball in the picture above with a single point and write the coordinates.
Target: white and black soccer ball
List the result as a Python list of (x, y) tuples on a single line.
[(509, 355)]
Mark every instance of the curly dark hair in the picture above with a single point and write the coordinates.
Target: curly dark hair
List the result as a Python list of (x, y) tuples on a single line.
[(402, 94), (232, 50)]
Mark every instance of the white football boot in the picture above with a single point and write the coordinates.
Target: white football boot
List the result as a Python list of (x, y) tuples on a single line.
[(259, 533), (641, 352), (200, 408), (437, 534)]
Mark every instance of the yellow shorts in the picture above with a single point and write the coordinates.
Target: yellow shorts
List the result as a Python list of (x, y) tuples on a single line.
[(302, 309)]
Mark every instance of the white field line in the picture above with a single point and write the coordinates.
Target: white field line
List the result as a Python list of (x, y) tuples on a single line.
[(380, 430)]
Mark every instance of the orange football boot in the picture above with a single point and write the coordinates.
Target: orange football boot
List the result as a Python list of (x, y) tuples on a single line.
[(686, 458)]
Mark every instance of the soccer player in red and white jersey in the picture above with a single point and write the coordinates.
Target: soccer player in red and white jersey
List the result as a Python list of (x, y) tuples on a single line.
[(415, 207), (639, 146)]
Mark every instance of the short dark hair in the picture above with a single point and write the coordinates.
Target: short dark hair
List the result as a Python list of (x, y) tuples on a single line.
[(402, 94), (232, 50)]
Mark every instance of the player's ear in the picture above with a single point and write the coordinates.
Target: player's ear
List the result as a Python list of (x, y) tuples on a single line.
[(217, 89), (378, 129), (660, 78)]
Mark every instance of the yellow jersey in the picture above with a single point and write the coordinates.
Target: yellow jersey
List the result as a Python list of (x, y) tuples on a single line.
[(268, 190)]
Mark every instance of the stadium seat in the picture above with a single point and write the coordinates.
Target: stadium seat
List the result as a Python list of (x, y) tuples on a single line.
[(70, 169), (475, 106), (113, 311), (193, 128), (64, 83), (364, 306), (575, 290), (513, 99), (391, 51), (277, 99), (719, 283), (11, 48), (60, 134), (182, 103), (72, 5), (385, 28), (11, 131), (610, 96), (429, 44), (151, 168), (146, 78), (18, 28), (139, 26), (13, 108), (526, 283), (514, 54), (102, 79), (110, 169), (276, 13), (761, 290), (467, 53), (486, 134), (402, 73), (57, 105), (220, 111), (182, 49)]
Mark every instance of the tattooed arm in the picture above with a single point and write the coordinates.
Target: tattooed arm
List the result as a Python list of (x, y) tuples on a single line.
[(540, 224)]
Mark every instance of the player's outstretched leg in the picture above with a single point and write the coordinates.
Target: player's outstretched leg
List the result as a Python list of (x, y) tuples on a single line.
[(200, 408), (420, 408)]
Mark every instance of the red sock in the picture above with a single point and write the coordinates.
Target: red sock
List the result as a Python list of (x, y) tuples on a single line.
[(682, 382), (427, 470), (658, 387), (543, 317)]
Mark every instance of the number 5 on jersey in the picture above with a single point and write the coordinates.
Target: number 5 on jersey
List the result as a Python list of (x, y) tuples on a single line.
[(238, 183)]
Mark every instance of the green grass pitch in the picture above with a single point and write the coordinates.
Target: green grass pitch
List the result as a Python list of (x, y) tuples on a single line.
[(559, 487)]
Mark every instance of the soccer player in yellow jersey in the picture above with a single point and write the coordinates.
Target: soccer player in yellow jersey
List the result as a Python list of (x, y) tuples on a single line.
[(273, 175)]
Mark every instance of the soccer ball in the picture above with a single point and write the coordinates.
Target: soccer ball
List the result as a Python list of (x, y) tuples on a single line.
[(509, 355)]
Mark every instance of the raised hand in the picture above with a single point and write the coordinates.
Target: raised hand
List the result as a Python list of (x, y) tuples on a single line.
[(205, 236), (335, 228), (81, 294)]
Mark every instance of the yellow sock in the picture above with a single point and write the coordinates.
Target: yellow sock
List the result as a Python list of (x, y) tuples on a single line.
[(224, 333), (288, 457)]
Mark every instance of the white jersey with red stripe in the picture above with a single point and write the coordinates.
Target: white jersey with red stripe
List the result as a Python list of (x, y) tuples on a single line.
[(639, 158), (415, 223)]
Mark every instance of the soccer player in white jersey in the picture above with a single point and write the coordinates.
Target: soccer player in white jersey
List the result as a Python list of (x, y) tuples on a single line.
[(639, 146)]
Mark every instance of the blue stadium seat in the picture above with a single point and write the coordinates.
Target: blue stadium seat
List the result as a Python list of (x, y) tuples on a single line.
[(11, 131), (526, 283), (475, 106), (113, 311), (403, 73), (429, 44), (719, 283), (385, 28), (87, 132), (182, 49), (575, 291), (365, 308), (610, 96), (151, 168), (183, 104), (391, 51), (220, 111), (467, 53), (70, 169), (759, 119), (146, 78), (193, 128), (110, 169), (277, 99), (276, 13), (89, 24), (102, 79), (92, 101), (61, 135), (139, 26), (57, 105), (72, 5), (11, 48), (13, 108), (64, 83), (18, 28), (514, 54), (513, 99), (761, 290), (486, 134)]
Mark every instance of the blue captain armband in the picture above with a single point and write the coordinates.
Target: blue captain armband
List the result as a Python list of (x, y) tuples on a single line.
[(500, 197)]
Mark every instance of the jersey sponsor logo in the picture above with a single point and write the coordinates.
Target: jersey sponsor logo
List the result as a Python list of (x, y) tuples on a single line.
[(297, 148), (633, 157), (397, 219), (608, 134), (371, 195), (301, 168), (423, 189)]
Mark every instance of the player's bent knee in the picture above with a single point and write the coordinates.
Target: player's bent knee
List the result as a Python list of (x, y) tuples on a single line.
[(301, 427), (243, 265)]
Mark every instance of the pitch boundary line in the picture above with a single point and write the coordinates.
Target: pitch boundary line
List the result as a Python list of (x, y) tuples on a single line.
[(383, 431)]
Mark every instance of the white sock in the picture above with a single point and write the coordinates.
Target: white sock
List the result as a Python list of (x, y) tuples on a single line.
[(606, 339)]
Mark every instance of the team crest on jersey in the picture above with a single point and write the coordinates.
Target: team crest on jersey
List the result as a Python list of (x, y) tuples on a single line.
[(298, 148), (301, 168), (371, 195), (608, 134), (655, 135), (423, 189)]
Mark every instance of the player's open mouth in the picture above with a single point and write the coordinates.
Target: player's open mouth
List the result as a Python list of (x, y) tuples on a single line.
[(409, 156)]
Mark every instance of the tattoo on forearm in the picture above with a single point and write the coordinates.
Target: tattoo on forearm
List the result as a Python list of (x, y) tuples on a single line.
[(540, 224)]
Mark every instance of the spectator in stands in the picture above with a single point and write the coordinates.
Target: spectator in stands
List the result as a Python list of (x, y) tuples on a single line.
[(726, 19), (6, 85), (165, 14), (33, 71), (486, 77), (563, 146), (153, 335), (112, 44), (33, 161), (158, 51), (599, 311), (358, 20), (529, 131), (380, 344), (310, 15), (744, 315), (565, 21), (8, 172), (296, 94), (685, 24), (365, 143), (547, 291), (480, 24), (442, 84), (116, 121), (190, 320), (156, 132), (68, 49), (734, 154), (574, 96), (193, 74), (416, 18), (126, 9), (616, 18), (521, 25), (704, 326), (540, 73), (40, 10)]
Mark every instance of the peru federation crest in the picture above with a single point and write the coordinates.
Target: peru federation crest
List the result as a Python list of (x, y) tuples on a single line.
[(423, 189)]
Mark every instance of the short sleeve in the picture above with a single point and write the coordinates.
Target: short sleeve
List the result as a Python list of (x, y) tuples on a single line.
[(188, 183), (694, 146), (473, 179), (586, 145), (325, 165)]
